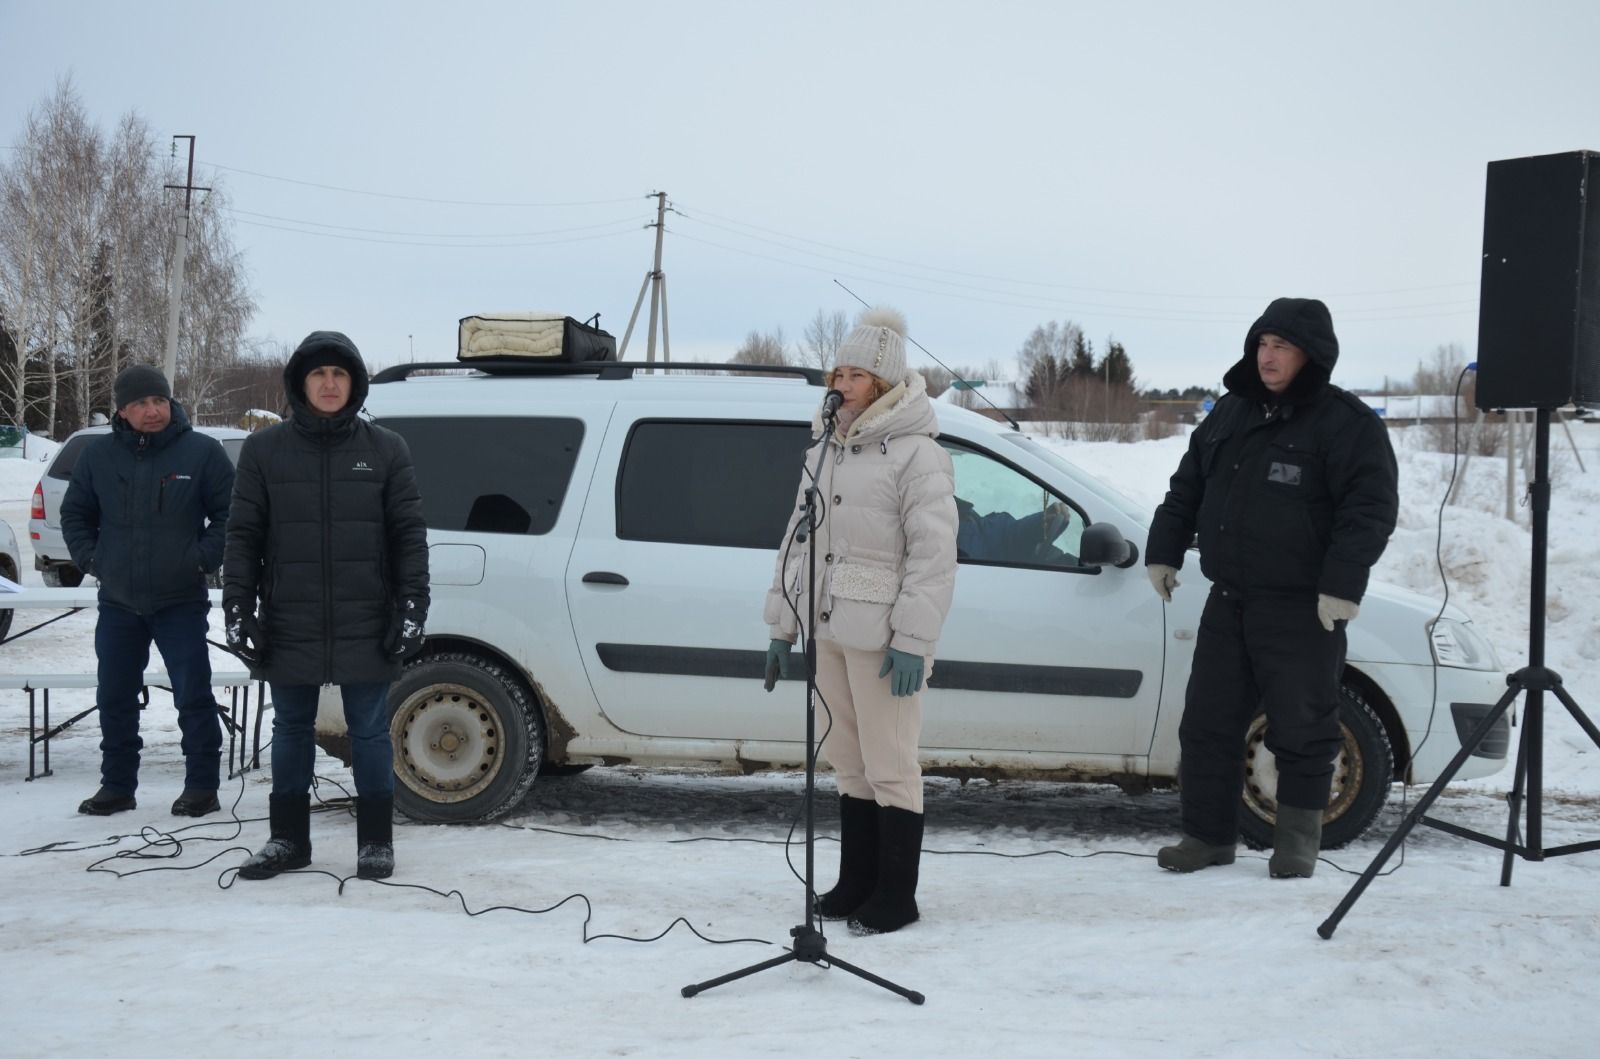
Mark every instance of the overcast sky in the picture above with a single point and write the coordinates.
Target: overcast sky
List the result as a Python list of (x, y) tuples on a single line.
[(1154, 172)]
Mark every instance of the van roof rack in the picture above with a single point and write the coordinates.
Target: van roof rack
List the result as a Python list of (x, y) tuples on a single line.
[(601, 369)]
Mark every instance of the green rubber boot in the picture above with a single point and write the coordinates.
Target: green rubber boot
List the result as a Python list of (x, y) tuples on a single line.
[(1296, 840), (1192, 854)]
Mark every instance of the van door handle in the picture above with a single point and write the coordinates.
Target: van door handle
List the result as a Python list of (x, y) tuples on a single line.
[(603, 577)]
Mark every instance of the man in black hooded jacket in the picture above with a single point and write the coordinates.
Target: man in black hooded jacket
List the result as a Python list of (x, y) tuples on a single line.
[(326, 537), (1291, 485)]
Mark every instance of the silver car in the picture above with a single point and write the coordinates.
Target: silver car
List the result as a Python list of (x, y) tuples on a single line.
[(10, 567), (50, 556)]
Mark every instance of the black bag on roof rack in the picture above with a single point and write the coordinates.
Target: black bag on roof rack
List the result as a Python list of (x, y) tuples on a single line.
[(548, 337)]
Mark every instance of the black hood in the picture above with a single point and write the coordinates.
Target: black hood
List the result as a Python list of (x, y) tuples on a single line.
[(1307, 323), (324, 347)]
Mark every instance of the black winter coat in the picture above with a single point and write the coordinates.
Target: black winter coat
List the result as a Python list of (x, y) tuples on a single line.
[(145, 513), (327, 533), (1291, 495)]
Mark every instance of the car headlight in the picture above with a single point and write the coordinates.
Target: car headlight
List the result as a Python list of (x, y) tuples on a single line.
[(1458, 645)]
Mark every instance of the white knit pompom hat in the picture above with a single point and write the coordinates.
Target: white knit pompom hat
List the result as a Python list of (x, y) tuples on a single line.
[(877, 344)]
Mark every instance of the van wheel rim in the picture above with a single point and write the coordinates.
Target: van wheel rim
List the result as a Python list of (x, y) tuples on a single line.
[(1261, 774), (448, 743)]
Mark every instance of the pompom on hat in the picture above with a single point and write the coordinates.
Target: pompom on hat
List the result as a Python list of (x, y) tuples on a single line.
[(878, 345)]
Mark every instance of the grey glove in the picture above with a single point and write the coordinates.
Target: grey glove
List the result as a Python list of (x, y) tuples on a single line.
[(1164, 578), (777, 663), (904, 671), (1331, 609)]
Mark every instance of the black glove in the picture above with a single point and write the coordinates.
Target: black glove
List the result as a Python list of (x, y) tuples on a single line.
[(245, 637), (404, 641)]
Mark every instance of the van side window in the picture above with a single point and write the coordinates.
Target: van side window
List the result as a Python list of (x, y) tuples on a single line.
[(722, 483), (1003, 517), (491, 474)]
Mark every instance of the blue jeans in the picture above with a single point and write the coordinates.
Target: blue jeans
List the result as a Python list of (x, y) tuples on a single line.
[(122, 649), (294, 745)]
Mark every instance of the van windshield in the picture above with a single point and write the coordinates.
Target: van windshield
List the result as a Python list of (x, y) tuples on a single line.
[(1109, 494)]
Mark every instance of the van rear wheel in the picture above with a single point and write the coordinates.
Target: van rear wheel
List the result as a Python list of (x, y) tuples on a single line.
[(468, 739)]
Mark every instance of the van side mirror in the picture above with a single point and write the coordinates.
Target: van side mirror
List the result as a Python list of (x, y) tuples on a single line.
[(1104, 545)]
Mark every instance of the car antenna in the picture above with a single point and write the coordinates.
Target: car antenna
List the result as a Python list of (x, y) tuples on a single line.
[(967, 383)]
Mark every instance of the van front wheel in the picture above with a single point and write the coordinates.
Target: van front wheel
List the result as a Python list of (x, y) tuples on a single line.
[(1362, 774), (468, 738)]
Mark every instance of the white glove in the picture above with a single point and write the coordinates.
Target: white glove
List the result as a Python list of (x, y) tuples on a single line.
[(1164, 578), (1331, 609)]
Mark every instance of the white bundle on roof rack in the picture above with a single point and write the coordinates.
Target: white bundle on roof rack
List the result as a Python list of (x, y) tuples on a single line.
[(551, 337), (512, 335)]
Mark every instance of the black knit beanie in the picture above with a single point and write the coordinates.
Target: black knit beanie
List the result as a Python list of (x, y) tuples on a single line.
[(138, 381)]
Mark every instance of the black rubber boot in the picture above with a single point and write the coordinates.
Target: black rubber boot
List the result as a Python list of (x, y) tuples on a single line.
[(106, 801), (196, 803), (893, 903), (290, 845), (374, 838), (1296, 840), (1192, 854), (858, 859)]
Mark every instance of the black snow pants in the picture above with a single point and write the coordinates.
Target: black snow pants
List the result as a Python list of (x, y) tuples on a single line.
[(1270, 652)]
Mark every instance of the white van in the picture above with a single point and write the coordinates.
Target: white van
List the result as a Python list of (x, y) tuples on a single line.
[(601, 538)]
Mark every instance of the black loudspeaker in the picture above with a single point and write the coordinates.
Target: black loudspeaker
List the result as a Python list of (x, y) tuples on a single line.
[(1539, 305)]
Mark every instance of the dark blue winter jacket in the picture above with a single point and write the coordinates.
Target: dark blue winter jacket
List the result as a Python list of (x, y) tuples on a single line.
[(147, 514)]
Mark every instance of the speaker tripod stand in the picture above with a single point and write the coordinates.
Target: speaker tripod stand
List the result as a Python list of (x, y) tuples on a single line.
[(1533, 681), (810, 946)]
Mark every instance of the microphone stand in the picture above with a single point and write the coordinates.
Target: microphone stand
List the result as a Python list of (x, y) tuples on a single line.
[(810, 946)]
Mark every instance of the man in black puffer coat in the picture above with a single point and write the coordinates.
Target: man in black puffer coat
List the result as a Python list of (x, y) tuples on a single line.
[(1291, 484), (326, 537), (145, 514)]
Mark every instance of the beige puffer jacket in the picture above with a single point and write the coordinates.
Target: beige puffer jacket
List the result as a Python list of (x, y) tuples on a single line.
[(886, 562)]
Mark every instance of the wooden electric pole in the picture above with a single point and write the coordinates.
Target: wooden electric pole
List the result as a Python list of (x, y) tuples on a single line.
[(180, 253)]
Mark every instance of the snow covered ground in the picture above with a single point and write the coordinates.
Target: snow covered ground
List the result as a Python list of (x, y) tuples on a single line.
[(1047, 929)]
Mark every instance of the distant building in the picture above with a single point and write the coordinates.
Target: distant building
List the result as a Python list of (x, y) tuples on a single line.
[(1007, 395), (1401, 409)]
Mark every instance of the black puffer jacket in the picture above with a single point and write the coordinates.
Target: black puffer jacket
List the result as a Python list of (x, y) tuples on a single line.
[(1290, 494), (327, 533), (145, 513)]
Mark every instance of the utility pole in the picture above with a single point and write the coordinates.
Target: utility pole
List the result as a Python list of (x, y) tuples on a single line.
[(180, 252), (656, 281)]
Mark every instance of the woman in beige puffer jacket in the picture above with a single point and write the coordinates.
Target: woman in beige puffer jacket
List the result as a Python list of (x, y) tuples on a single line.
[(886, 565)]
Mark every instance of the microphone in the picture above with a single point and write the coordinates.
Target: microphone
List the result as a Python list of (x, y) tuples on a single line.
[(830, 403)]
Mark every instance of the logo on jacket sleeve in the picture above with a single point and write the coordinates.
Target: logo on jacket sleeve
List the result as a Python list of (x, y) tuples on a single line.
[(1284, 473)]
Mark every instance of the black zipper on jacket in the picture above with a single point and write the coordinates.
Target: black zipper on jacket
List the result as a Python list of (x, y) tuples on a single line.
[(144, 590), (327, 562)]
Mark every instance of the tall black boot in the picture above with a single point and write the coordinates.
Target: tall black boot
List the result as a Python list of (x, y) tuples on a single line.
[(893, 903), (290, 845), (858, 858), (374, 837)]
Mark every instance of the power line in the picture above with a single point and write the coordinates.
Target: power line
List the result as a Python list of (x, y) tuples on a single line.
[(1022, 301), (1019, 282), (464, 246), (632, 222), (415, 198)]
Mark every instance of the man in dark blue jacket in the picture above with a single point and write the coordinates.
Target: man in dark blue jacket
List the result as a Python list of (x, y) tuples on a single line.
[(146, 514), (1291, 485)]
